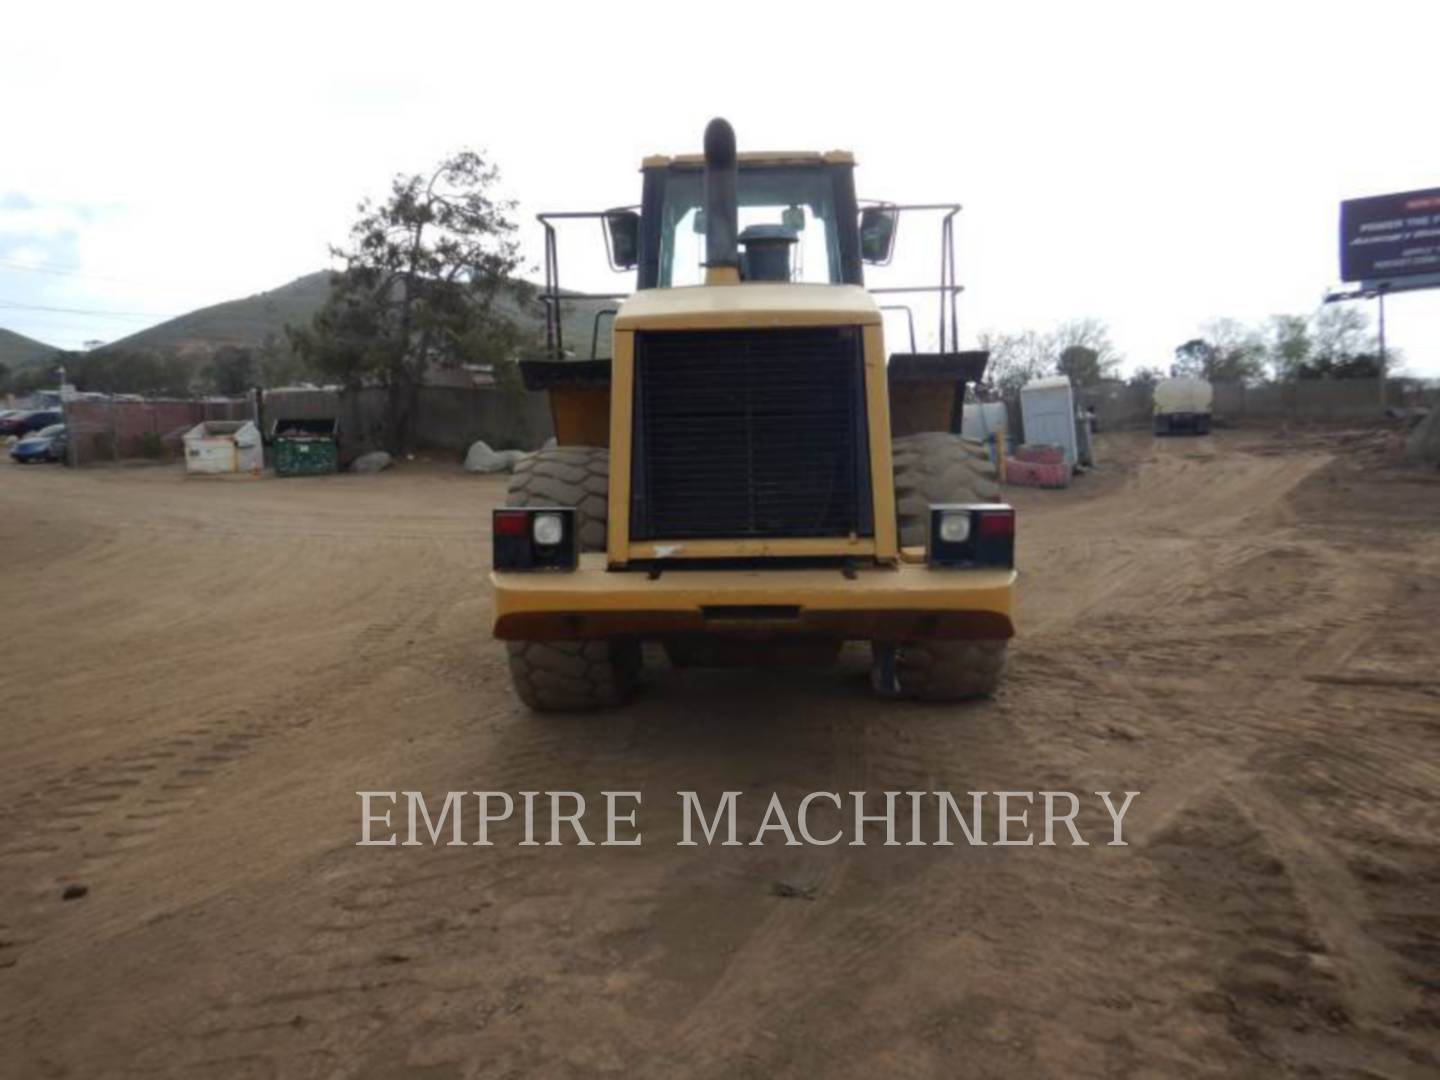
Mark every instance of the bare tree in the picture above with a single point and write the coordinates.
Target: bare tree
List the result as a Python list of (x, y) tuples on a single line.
[(1289, 345), (1341, 331), (1226, 351), (1015, 359), (1092, 335)]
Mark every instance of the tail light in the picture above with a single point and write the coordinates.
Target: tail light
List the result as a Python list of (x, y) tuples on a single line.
[(534, 538), (971, 535)]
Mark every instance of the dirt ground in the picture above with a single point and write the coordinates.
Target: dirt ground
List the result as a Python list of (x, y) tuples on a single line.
[(198, 675)]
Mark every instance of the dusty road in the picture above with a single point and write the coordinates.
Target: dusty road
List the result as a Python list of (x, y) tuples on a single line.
[(198, 676)]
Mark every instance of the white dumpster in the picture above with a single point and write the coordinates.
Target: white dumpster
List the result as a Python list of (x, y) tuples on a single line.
[(1047, 413), (224, 446)]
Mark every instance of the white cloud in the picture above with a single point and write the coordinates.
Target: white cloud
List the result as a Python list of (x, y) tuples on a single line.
[(1150, 165)]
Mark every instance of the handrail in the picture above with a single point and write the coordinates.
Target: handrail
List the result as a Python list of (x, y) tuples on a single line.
[(949, 328), (552, 296), (909, 317), (595, 330)]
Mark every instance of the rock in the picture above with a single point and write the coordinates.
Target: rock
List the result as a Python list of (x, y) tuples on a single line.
[(74, 892), (1424, 441), (549, 444), (481, 459), (786, 891), (372, 462)]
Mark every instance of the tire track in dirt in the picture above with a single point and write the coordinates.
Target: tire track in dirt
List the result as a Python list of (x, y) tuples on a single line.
[(391, 914), (1174, 619), (1317, 613), (1334, 904), (81, 824)]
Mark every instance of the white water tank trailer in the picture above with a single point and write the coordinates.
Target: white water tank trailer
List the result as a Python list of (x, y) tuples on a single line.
[(1183, 405)]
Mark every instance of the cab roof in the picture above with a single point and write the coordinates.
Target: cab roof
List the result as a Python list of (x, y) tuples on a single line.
[(746, 305), (754, 157)]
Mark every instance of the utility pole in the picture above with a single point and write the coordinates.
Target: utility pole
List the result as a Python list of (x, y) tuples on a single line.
[(65, 419)]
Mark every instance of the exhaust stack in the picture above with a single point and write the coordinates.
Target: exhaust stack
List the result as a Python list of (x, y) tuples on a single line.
[(722, 255)]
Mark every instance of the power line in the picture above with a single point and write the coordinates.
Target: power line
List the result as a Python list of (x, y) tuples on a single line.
[(12, 305), (60, 271)]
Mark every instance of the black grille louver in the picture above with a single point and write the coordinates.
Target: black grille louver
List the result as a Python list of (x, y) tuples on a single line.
[(749, 434)]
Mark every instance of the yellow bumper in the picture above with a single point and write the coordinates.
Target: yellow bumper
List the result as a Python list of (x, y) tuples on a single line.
[(906, 602)]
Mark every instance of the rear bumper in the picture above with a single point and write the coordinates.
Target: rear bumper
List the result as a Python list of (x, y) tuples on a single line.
[(1182, 419), (907, 602)]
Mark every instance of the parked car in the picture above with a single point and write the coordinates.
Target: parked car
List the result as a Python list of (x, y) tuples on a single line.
[(23, 423), (47, 444)]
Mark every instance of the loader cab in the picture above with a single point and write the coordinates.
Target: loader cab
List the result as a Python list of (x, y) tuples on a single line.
[(797, 220)]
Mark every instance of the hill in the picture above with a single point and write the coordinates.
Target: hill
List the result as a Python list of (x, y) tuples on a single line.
[(249, 322), (245, 323), (18, 351)]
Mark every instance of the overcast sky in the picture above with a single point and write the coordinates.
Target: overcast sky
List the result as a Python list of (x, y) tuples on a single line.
[(1154, 165)]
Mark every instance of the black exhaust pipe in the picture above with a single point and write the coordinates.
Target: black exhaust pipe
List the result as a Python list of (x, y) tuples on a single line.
[(722, 215)]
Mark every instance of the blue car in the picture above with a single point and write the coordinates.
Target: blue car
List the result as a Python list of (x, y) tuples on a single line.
[(47, 444)]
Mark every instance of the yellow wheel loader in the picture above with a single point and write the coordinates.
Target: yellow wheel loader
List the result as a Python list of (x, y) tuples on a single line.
[(749, 477)]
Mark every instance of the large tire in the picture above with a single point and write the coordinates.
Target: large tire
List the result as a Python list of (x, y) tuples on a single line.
[(937, 467), (574, 675), (944, 670), (577, 476)]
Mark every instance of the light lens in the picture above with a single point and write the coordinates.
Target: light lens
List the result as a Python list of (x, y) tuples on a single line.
[(547, 529), (997, 523), (510, 523), (955, 528)]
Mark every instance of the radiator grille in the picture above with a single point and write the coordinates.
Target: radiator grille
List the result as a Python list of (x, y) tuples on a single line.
[(749, 433)]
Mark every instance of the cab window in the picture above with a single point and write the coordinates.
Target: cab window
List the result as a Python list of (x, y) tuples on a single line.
[(782, 212)]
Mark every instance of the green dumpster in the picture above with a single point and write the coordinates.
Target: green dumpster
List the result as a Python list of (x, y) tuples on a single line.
[(306, 447)]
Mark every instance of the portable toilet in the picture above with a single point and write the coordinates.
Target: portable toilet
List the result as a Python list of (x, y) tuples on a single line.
[(224, 446), (1047, 413)]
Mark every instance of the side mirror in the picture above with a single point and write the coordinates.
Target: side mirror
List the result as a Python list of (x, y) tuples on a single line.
[(877, 233), (623, 230)]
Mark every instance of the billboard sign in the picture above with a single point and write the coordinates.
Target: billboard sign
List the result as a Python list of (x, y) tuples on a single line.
[(1390, 237)]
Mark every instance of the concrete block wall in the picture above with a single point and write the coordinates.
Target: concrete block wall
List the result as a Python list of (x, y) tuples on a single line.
[(1122, 406)]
